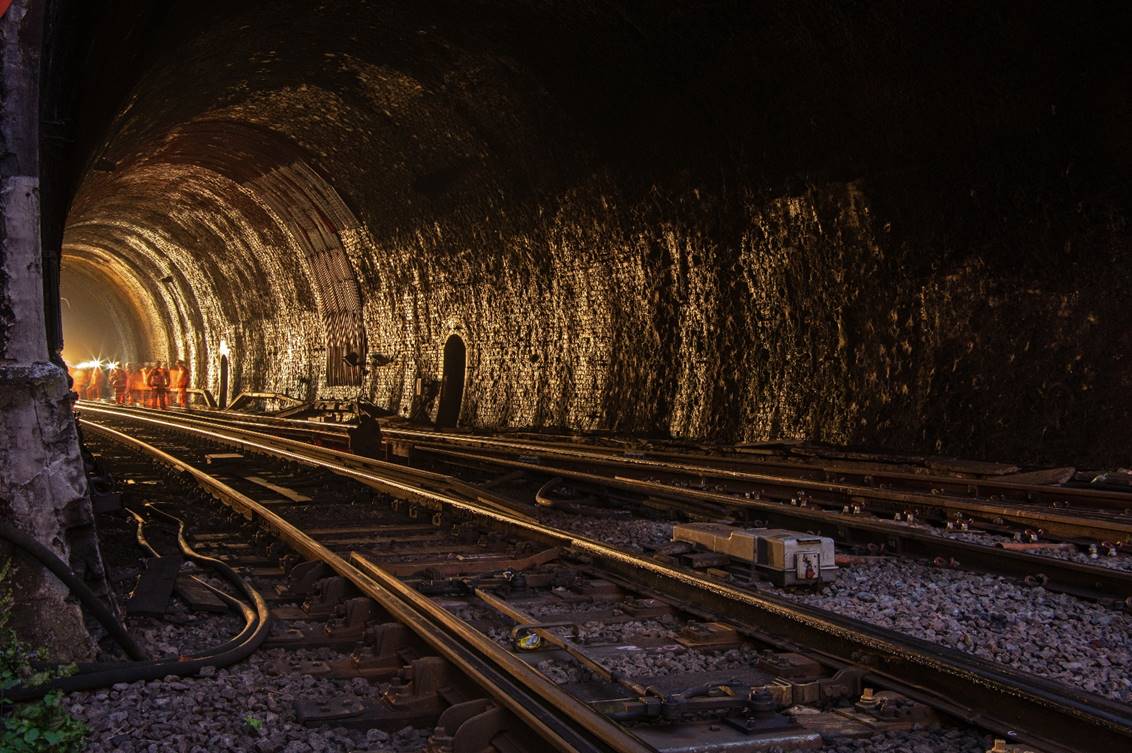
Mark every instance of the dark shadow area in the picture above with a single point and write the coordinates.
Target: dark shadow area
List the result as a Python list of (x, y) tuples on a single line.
[(452, 384)]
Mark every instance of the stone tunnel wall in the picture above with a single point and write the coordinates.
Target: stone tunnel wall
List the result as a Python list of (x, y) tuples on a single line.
[(43, 491), (734, 222)]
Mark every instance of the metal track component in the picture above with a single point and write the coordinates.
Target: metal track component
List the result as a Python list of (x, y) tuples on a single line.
[(1067, 576), (555, 716), (726, 464), (722, 466), (541, 457), (1053, 716), (312, 430), (1088, 581), (786, 488)]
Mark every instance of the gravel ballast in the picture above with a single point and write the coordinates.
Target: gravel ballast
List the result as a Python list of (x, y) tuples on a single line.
[(632, 535), (921, 741), (242, 708), (1052, 635), (245, 708)]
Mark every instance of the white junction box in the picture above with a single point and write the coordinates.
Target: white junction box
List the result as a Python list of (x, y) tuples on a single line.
[(786, 558)]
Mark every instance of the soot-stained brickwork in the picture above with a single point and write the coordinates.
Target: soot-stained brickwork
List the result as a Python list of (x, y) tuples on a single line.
[(874, 224), (43, 491)]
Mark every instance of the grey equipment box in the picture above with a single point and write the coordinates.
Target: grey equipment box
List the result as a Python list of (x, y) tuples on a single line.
[(786, 558)]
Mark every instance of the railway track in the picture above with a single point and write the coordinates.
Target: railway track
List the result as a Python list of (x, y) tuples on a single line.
[(969, 533), (434, 673), (1063, 566), (1072, 512), (911, 473), (1004, 701)]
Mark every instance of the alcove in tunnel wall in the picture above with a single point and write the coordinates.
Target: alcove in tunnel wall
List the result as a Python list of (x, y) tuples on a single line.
[(877, 224)]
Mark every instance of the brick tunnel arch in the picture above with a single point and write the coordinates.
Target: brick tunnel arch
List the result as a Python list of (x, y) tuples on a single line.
[(225, 233), (667, 218), (106, 310)]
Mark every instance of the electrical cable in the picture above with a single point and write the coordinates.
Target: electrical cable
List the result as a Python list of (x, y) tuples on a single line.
[(90, 600), (257, 626)]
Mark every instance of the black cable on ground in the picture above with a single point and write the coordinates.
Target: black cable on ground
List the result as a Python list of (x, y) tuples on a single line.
[(254, 633), (90, 600), (252, 617), (240, 606)]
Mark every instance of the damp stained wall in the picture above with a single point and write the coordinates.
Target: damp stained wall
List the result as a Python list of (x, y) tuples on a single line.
[(881, 224)]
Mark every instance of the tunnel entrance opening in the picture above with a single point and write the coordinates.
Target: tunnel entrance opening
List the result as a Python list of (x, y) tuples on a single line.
[(452, 382), (107, 313)]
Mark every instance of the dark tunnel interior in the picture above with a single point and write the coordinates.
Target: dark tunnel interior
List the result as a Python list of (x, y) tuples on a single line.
[(892, 224)]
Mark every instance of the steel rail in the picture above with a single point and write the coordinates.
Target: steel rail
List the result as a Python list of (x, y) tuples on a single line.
[(317, 429), (434, 480), (703, 463), (590, 452), (1058, 524), (557, 717), (955, 485), (1089, 581), (999, 698)]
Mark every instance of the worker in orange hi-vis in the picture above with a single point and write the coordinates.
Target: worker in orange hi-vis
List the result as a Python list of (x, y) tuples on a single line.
[(171, 376), (119, 384), (125, 393), (94, 383), (179, 381), (174, 374), (168, 385), (79, 378), (146, 390), (137, 383), (159, 384), (150, 394)]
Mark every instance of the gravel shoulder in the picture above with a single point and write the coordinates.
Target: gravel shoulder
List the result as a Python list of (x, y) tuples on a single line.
[(1052, 635), (238, 709), (633, 535)]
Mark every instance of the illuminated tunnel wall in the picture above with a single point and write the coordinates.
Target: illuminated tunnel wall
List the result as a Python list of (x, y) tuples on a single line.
[(898, 226), (104, 316), (225, 233)]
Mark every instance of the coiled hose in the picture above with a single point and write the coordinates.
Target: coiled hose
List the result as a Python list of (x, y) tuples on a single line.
[(257, 624)]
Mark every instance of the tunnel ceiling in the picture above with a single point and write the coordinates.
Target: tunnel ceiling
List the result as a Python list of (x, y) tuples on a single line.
[(881, 223)]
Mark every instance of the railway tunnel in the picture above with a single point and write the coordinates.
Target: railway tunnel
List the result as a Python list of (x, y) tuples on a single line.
[(899, 229), (648, 218)]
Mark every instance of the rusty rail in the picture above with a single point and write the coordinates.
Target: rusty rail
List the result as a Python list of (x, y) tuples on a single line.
[(1001, 699), (971, 502), (557, 717)]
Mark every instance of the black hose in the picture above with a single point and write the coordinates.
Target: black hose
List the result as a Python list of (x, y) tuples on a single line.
[(90, 600), (255, 632), (250, 622), (252, 617), (242, 607)]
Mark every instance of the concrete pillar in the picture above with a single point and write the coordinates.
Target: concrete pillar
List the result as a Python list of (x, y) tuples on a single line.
[(42, 484)]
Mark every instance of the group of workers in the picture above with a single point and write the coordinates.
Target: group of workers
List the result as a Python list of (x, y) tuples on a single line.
[(146, 384)]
